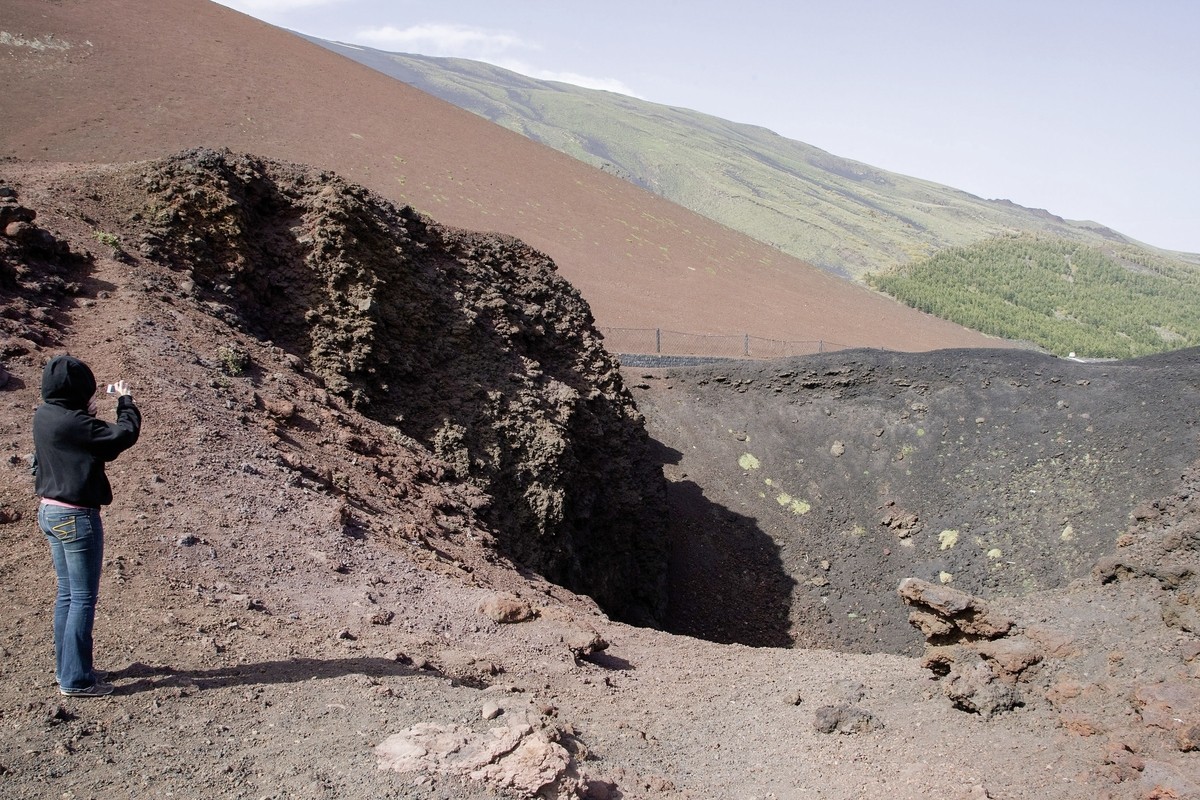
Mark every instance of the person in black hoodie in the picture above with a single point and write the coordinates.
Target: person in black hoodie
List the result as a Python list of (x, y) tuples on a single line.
[(71, 447)]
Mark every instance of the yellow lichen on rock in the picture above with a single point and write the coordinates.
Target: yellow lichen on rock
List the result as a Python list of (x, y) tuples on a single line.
[(748, 462), (947, 539), (799, 507)]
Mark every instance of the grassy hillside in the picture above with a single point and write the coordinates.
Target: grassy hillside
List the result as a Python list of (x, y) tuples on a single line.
[(845, 216), (1114, 302)]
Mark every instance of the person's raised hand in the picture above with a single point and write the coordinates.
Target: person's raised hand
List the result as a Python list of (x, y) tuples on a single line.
[(121, 389)]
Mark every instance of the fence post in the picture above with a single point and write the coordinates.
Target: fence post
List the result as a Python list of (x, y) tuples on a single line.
[(820, 345), (746, 345), (658, 341)]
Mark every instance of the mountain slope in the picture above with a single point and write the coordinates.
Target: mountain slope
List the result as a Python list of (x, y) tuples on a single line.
[(111, 81), (845, 216)]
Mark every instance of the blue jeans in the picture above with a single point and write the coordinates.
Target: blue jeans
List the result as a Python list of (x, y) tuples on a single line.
[(76, 538)]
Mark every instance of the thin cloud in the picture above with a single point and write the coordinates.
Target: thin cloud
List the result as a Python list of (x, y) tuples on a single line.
[(478, 44), (436, 39), (573, 78)]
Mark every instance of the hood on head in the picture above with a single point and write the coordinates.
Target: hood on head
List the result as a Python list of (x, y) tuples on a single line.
[(68, 382)]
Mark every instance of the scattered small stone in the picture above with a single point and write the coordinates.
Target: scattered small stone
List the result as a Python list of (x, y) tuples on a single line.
[(1064, 690), (55, 714), (383, 618), (601, 790), (506, 609), (188, 541), (1081, 724), (583, 642), (1127, 765), (1112, 568), (399, 656), (852, 692), (845, 720), (491, 710), (345, 633), (1188, 740)]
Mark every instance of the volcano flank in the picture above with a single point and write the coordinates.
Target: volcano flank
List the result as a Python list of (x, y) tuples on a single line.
[(400, 525)]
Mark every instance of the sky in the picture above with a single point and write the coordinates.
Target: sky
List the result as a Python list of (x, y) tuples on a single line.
[(1087, 108)]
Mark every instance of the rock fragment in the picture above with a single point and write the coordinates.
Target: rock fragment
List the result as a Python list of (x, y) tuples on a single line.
[(1173, 706), (1010, 657), (583, 642), (946, 614), (845, 719), (980, 669), (519, 756), (506, 609), (974, 686)]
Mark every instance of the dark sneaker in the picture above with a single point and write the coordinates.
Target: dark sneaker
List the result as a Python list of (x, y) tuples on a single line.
[(97, 689), (98, 675)]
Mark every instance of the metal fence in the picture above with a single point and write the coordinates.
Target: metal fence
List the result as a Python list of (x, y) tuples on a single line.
[(656, 341)]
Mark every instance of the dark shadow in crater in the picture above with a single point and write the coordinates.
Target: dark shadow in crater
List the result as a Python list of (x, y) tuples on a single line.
[(726, 580)]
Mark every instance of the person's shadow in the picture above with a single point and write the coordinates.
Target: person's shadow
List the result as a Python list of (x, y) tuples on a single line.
[(145, 677)]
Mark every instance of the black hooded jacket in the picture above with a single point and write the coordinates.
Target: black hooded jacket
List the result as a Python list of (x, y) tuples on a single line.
[(70, 445)]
